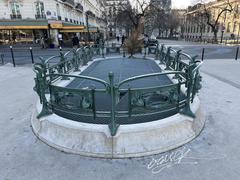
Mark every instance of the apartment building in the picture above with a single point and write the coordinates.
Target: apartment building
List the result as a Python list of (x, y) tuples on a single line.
[(29, 20), (228, 26), (112, 9)]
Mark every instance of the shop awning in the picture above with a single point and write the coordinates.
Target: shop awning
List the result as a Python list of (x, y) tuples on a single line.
[(72, 26), (84, 30), (21, 24)]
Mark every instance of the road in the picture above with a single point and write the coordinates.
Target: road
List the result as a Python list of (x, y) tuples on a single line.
[(211, 51), (22, 55)]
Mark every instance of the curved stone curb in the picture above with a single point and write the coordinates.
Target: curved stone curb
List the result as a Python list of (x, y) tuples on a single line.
[(131, 140)]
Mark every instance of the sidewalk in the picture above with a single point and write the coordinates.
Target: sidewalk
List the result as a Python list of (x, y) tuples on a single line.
[(225, 70), (214, 154)]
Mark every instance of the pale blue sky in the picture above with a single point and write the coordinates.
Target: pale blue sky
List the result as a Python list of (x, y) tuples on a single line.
[(181, 3), (176, 3)]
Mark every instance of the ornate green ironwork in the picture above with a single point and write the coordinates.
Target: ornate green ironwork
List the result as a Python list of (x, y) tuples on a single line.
[(40, 88), (144, 101), (113, 126)]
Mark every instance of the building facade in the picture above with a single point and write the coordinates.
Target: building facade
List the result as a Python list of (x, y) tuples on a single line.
[(228, 24), (29, 20), (112, 8)]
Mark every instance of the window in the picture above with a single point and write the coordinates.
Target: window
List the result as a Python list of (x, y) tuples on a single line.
[(228, 27), (40, 13), (234, 27), (58, 10), (15, 9)]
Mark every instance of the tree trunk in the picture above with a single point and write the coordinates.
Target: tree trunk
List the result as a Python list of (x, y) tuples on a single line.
[(159, 32), (171, 33), (201, 34), (215, 36)]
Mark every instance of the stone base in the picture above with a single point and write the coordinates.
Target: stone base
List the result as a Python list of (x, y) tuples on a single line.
[(131, 140)]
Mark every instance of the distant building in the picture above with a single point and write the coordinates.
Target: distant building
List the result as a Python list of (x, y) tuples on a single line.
[(164, 4), (113, 7), (196, 27), (181, 17), (29, 20)]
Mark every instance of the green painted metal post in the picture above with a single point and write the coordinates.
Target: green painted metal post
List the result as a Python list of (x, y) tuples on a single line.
[(113, 126), (102, 51), (93, 103), (1, 56), (124, 53), (187, 110), (145, 52), (76, 60), (177, 63), (161, 57), (62, 59), (168, 59), (129, 103), (84, 57), (157, 52), (40, 88)]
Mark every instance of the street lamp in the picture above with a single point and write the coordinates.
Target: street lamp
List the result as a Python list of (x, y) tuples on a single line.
[(87, 21), (223, 29)]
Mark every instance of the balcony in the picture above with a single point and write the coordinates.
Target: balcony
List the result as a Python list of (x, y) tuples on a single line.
[(69, 2), (40, 16), (90, 14), (16, 16), (79, 7)]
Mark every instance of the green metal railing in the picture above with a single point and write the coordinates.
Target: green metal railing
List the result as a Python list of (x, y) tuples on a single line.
[(175, 97), (2, 59)]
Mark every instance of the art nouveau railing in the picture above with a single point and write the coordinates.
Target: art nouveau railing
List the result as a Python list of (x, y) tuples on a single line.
[(176, 96)]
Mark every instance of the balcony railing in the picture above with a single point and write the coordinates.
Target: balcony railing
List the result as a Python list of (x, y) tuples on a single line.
[(69, 2), (90, 14), (40, 16), (79, 7), (16, 16)]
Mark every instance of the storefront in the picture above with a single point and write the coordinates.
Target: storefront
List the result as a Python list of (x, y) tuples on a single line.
[(23, 31), (29, 31)]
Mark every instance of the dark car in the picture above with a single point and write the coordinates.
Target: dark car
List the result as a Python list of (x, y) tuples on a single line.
[(152, 46)]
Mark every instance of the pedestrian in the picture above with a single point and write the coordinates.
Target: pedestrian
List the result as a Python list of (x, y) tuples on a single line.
[(98, 40), (60, 39), (123, 39), (75, 41), (146, 41), (118, 38), (42, 42)]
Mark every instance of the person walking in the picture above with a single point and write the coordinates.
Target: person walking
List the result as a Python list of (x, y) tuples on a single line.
[(42, 42), (146, 40), (75, 41), (123, 39), (60, 40)]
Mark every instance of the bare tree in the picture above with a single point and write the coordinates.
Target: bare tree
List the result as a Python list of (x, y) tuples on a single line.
[(136, 17), (173, 22), (213, 21), (198, 19)]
